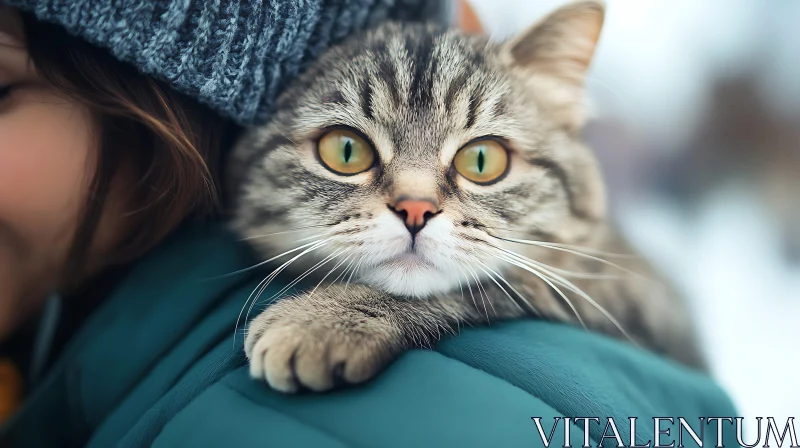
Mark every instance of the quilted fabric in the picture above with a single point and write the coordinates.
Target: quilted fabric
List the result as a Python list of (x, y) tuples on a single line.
[(157, 365)]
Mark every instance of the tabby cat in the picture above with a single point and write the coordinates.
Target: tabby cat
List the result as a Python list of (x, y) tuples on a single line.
[(421, 180)]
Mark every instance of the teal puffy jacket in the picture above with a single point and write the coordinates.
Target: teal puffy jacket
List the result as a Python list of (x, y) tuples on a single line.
[(157, 365)]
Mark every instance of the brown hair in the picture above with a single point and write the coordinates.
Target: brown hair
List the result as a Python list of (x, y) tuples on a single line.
[(169, 142)]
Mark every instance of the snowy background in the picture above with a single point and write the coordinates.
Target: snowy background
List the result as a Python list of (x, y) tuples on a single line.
[(697, 121)]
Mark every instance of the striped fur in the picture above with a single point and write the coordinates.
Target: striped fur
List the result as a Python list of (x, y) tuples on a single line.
[(418, 93)]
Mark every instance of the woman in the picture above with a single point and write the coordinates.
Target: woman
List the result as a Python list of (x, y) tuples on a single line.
[(111, 302)]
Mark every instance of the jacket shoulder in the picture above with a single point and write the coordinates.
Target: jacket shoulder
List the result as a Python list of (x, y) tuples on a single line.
[(425, 398), (479, 389)]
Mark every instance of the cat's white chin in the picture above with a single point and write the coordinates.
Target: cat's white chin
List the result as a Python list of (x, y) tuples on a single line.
[(399, 266), (410, 275)]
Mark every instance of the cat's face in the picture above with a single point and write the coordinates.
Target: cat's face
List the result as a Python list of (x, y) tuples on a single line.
[(403, 155)]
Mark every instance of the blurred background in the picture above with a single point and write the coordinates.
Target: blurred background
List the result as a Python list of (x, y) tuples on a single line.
[(696, 121)]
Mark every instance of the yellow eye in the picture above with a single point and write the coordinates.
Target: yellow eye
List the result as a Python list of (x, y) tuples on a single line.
[(482, 162), (344, 152)]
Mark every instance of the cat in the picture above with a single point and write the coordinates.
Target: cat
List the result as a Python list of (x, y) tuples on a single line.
[(426, 180)]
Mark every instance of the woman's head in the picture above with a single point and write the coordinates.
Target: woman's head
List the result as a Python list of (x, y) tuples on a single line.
[(97, 162)]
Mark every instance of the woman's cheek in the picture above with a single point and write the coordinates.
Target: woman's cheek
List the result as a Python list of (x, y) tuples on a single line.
[(46, 164)]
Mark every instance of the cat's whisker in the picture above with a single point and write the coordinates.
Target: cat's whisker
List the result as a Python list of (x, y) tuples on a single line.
[(305, 274), (572, 251), (262, 263), (276, 272), (352, 267), (458, 321), (336, 266), (270, 278), (519, 294), (469, 288), (582, 249), (578, 275), (256, 293), (564, 272), (545, 279), (308, 238), (284, 232), (355, 269), (501, 288), (266, 279), (344, 271), (591, 251), (460, 286), (572, 287), (543, 272), (285, 136), (505, 229), (264, 283), (481, 292)]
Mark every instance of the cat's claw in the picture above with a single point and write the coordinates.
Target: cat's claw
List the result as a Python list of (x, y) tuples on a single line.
[(292, 353)]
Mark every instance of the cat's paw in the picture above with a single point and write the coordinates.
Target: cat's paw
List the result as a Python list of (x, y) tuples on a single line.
[(299, 343)]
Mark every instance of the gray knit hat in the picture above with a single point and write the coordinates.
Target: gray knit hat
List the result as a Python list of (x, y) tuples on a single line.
[(234, 56)]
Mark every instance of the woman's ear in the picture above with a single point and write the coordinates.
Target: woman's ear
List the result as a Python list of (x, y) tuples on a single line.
[(552, 58)]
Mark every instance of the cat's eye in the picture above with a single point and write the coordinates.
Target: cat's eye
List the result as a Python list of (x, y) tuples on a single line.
[(482, 162), (345, 152)]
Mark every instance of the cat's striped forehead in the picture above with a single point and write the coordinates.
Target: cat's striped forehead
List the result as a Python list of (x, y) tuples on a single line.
[(411, 89), (428, 70)]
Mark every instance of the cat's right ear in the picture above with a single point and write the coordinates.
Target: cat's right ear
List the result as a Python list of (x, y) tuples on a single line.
[(557, 51)]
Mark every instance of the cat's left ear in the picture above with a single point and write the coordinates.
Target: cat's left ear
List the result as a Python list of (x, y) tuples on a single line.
[(558, 50), (563, 43)]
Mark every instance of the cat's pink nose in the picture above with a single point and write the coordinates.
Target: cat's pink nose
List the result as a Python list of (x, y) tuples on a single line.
[(415, 213)]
